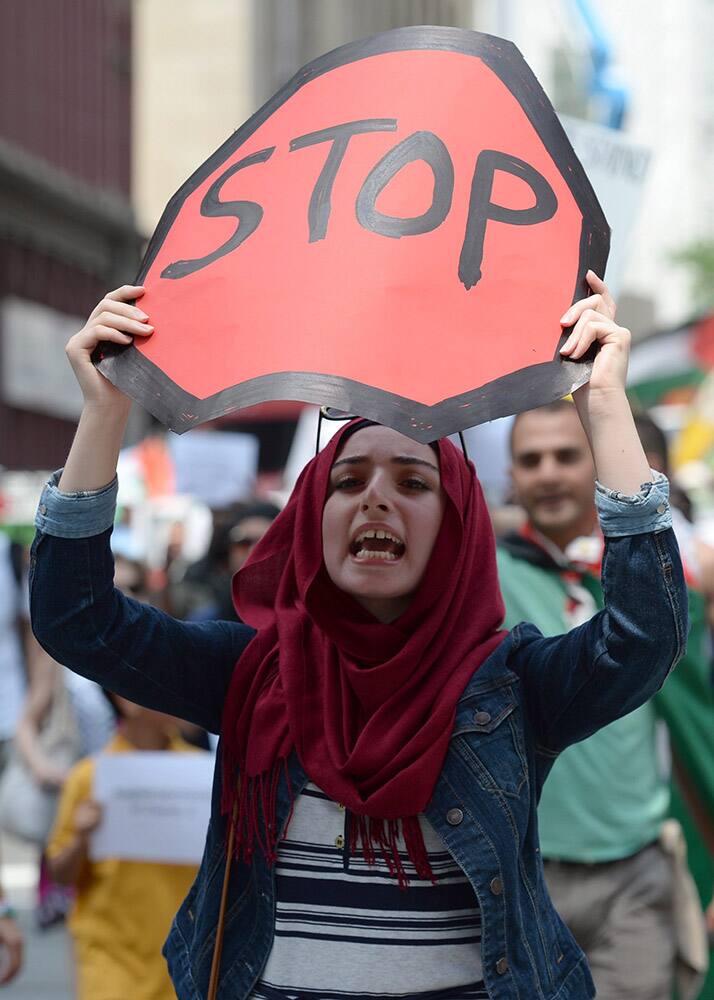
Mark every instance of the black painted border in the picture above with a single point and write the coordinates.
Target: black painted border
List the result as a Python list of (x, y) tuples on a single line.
[(139, 378)]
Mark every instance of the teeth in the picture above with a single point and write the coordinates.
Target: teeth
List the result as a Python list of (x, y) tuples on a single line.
[(379, 534), (368, 554)]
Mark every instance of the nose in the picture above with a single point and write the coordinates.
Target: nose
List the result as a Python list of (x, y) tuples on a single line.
[(549, 469), (374, 497), (377, 505)]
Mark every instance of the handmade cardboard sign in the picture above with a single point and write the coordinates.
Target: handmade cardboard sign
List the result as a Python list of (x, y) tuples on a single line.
[(395, 234)]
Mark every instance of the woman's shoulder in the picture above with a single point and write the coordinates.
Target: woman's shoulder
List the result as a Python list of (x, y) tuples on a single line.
[(502, 667)]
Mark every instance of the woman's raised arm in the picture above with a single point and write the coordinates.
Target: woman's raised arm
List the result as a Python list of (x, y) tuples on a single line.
[(583, 680), (141, 653), (78, 616)]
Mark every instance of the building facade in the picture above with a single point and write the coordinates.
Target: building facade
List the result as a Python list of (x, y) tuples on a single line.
[(67, 231)]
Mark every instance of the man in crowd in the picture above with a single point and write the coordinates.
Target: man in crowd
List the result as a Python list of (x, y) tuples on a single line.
[(204, 592), (605, 800)]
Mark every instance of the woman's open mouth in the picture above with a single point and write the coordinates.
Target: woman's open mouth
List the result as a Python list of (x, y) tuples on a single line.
[(375, 544)]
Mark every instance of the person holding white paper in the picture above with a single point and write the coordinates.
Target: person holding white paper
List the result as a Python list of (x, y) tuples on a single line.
[(123, 909)]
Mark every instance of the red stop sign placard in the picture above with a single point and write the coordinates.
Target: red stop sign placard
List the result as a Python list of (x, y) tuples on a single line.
[(395, 234)]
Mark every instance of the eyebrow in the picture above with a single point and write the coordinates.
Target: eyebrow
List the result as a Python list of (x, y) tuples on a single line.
[(566, 449), (398, 460)]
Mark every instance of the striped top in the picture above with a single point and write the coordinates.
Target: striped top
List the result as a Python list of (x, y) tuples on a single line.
[(345, 931)]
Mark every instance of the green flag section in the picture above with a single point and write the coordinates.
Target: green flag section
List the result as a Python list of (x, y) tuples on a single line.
[(686, 703), (655, 391), (671, 364)]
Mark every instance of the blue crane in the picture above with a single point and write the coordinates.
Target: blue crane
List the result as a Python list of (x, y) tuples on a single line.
[(610, 93)]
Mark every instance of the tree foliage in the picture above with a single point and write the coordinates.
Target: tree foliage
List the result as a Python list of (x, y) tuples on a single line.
[(698, 258)]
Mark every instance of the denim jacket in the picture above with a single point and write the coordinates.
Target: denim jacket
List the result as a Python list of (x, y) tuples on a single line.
[(528, 701)]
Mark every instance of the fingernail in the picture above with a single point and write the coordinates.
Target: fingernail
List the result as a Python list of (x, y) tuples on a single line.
[(142, 315), (564, 318)]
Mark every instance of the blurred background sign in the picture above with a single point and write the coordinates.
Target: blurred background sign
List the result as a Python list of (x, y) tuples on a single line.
[(617, 168), (216, 467), (35, 373), (18, 501)]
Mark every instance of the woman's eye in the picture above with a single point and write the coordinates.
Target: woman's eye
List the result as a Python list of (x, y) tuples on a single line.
[(414, 483), (347, 482)]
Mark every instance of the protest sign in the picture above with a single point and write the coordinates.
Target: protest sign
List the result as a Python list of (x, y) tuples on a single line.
[(155, 806), (218, 467), (396, 234), (618, 168)]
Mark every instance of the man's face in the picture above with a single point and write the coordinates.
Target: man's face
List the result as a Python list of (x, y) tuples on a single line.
[(553, 473)]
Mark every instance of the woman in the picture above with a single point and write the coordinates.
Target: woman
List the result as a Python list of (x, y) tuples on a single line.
[(379, 699)]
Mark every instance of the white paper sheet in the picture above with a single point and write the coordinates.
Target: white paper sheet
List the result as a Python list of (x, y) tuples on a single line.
[(155, 806)]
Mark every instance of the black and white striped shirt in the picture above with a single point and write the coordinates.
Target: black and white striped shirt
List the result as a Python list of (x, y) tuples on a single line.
[(345, 931)]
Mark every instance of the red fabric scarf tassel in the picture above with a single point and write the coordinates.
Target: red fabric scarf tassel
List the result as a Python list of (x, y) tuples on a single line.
[(373, 836), (256, 824), (256, 821)]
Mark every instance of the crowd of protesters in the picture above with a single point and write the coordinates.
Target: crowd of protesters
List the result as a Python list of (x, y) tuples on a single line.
[(618, 810)]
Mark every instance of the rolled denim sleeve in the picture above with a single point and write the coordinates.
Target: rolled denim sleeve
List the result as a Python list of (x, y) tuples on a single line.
[(75, 515), (648, 510)]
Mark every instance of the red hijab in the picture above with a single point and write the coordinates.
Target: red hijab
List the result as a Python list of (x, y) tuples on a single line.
[(368, 707)]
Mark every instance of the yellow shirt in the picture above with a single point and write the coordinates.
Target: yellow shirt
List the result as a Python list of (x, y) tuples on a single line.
[(123, 909)]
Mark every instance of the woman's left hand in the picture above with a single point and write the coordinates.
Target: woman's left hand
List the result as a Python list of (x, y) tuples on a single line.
[(602, 405), (593, 320)]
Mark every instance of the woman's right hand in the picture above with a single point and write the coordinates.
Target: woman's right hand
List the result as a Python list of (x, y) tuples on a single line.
[(115, 320)]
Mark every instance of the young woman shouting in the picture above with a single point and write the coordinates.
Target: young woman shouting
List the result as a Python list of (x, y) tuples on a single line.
[(383, 741)]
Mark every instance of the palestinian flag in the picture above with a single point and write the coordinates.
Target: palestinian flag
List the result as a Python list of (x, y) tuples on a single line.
[(669, 366)]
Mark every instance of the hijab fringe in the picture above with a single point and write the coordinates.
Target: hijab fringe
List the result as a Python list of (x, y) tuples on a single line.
[(256, 801), (256, 826), (373, 836)]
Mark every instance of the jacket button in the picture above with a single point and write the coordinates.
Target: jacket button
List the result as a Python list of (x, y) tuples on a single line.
[(661, 508), (454, 817), (482, 718), (501, 966), (339, 841), (43, 508), (496, 886)]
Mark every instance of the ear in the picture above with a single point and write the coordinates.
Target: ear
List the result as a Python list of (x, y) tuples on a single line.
[(512, 480)]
